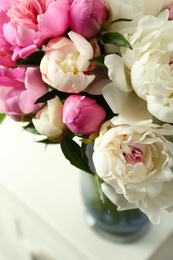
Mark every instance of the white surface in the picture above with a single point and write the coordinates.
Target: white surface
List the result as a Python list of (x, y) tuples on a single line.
[(42, 211)]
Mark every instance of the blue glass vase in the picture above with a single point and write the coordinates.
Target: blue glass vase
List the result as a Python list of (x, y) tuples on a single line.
[(121, 226)]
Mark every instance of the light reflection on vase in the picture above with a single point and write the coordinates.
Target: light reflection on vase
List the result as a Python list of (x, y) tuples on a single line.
[(120, 226)]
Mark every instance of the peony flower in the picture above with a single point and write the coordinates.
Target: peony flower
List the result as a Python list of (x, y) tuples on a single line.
[(147, 68), (87, 16), (82, 115), (19, 89), (28, 24), (48, 120), (135, 160), (133, 9), (65, 62)]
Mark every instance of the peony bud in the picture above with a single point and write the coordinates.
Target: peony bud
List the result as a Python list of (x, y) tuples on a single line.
[(48, 120), (82, 115), (88, 16)]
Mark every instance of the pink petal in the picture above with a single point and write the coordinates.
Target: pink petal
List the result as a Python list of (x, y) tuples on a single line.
[(12, 77), (24, 52), (6, 4), (12, 100), (58, 13), (35, 88), (4, 19), (27, 101), (79, 17), (33, 80), (25, 36), (10, 34)]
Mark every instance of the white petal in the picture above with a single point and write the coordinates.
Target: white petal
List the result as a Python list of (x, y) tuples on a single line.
[(44, 128), (138, 79), (85, 51), (101, 163), (67, 82), (128, 105), (117, 199), (117, 72), (158, 106), (150, 209)]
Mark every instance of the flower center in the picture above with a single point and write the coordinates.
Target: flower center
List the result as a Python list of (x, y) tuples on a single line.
[(25, 12), (135, 155), (69, 64)]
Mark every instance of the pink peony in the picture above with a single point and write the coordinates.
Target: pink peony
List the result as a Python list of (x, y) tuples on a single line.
[(19, 89), (28, 24), (87, 16), (82, 115)]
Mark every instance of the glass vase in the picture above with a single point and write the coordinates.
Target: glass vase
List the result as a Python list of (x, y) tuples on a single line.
[(121, 226)]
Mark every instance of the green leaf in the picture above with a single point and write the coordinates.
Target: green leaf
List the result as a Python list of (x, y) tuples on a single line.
[(102, 196), (33, 59), (99, 60), (83, 152), (72, 152), (116, 39), (121, 20), (51, 94), (47, 141), (27, 117), (30, 128), (46, 97), (2, 117)]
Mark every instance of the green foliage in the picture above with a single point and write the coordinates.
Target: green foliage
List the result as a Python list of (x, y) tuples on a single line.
[(99, 60), (116, 39), (51, 94), (30, 128), (73, 152), (33, 59), (121, 20), (2, 117), (102, 196), (48, 141)]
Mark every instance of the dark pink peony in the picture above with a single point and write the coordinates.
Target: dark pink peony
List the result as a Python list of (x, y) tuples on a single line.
[(82, 115), (87, 16)]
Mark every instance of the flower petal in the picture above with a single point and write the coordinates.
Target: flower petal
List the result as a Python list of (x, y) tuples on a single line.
[(85, 51), (128, 105), (117, 72)]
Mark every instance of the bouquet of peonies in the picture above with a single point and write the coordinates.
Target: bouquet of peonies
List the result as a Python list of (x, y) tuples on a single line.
[(96, 71)]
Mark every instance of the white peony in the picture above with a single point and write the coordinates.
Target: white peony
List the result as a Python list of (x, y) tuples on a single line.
[(135, 160), (48, 120), (148, 68), (134, 9)]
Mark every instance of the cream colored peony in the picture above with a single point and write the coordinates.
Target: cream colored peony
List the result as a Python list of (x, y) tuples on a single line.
[(135, 160), (134, 9), (148, 67), (48, 120), (66, 62)]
